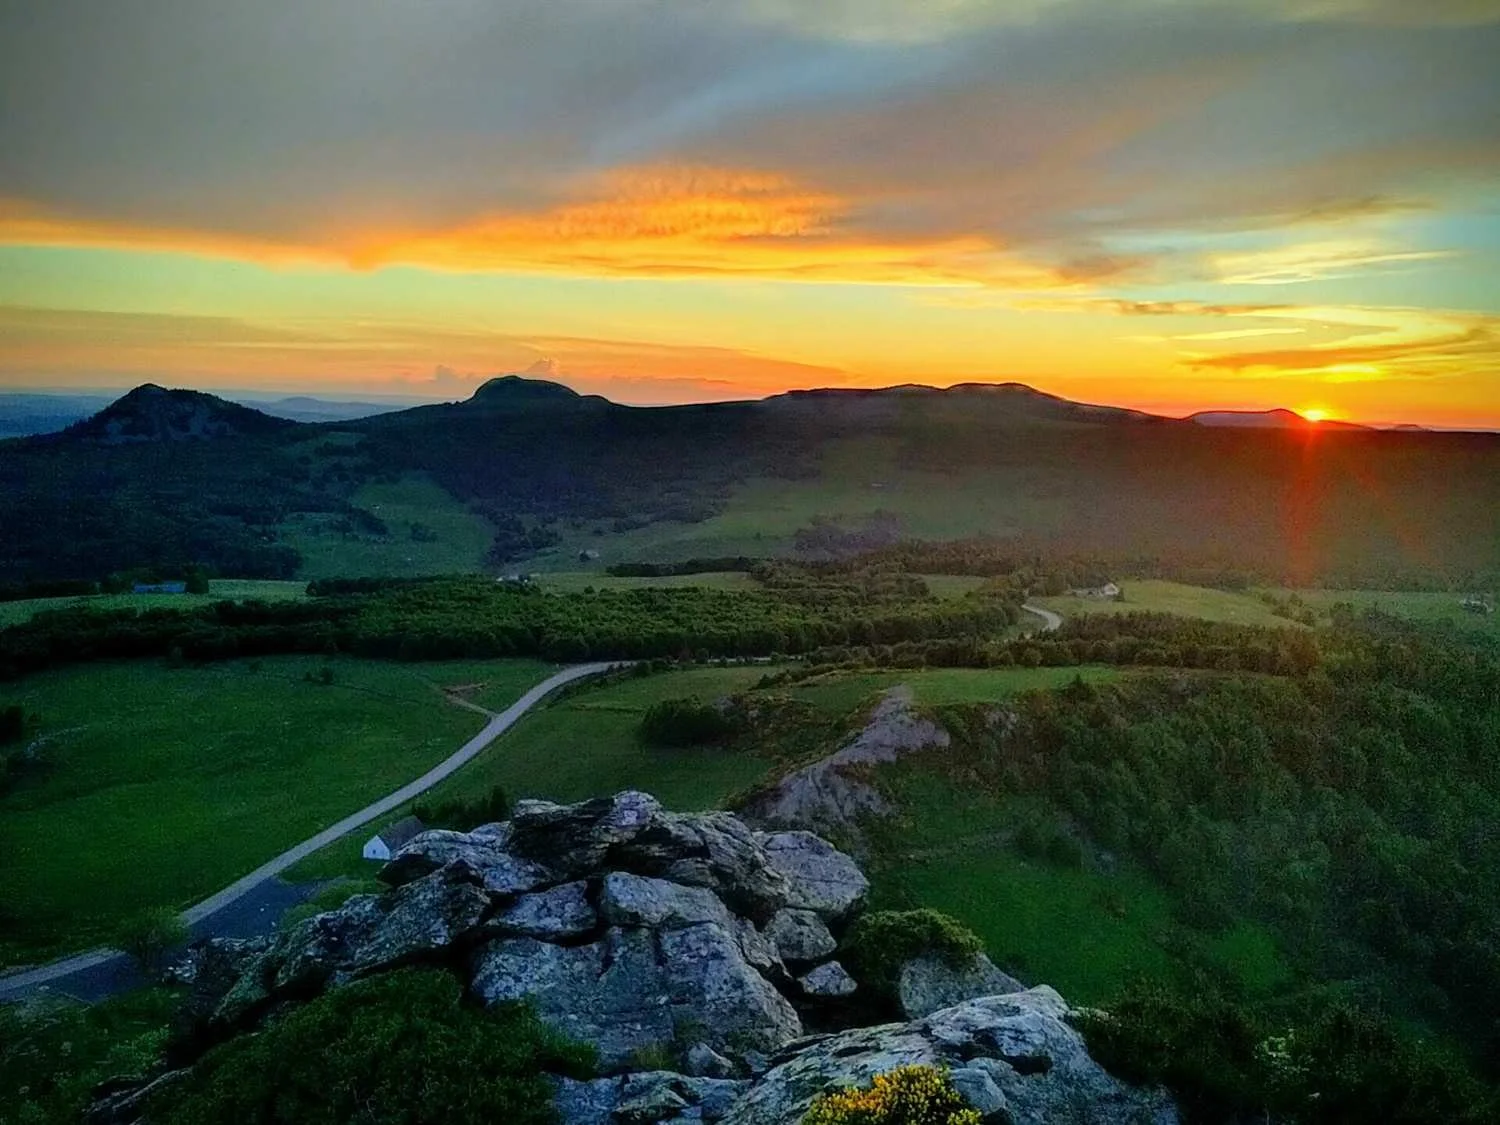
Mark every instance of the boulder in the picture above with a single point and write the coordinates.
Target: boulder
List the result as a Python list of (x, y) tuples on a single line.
[(575, 839), (1035, 1062), (483, 853), (977, 1086), (713, 987), (555, 915), (702, 1061), (829, 980), (759, 952), (638, 900), (800, 935), (714, 850), (610, 993), (927, 984), (646, 1097), (421, 918), (819, 877)]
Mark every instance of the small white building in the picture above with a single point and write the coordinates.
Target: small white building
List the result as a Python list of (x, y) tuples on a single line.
[(1106, 592), (392, 839)]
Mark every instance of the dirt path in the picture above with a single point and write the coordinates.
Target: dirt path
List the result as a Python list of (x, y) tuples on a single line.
[(17, 985)]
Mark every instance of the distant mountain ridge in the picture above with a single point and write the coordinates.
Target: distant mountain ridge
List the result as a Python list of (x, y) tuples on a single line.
[(1279, 419), (174, 478), (155, 414)]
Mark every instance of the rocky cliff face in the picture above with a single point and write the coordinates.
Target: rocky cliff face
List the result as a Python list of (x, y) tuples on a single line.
[(686, 941)]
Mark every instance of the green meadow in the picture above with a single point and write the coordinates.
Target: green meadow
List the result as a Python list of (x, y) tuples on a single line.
[(1446, 608), (1150, 595), (160, 785), (235, 589), (587, 743), (459, 539), (1088, 930)]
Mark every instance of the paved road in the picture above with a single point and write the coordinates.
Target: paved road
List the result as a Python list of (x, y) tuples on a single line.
[(1050, 621), (217, 915)]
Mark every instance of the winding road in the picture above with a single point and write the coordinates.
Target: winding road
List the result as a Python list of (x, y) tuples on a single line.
[(237, 908), (1051, 622)]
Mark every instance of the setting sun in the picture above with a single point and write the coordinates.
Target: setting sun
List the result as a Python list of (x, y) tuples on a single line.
[(1314, 414)]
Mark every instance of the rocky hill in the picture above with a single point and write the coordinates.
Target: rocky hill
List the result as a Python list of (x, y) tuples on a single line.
[(697, 955)]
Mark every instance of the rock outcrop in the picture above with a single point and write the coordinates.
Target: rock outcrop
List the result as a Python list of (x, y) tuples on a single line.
[(687, 940), (638, 930), (927, 984), (830, 793), (1014, 1058)]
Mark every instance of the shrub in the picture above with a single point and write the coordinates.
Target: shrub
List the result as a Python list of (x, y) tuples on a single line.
[(684, 722), (911, 1095), (150, 935), (878, 944), (400, 1048), (463, 816), (1224, 1061), (53, 1051)]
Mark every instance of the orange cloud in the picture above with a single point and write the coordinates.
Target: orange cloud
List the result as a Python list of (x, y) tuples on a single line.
[(640, 222), (229, 351)]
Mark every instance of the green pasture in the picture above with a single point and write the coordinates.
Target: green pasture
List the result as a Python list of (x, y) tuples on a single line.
[(462, 538), (1430, 607), (14, 613), (1088, 931), (161, 785), (1150, 595), (574, 581)]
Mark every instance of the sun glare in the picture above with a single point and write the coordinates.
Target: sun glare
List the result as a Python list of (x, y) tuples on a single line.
[(1314, 414)]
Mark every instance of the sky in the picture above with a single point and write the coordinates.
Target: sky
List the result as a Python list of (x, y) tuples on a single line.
[(1167, 204)]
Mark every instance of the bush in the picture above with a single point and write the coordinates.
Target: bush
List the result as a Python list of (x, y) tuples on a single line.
[(53, 1052), (399, 1048), (1225, 1061), (464, 816), (911, 1095), (150, 935), (878, 944), (676, 723)]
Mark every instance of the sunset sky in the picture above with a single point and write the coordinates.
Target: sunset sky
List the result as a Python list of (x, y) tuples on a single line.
[(1169, 204)]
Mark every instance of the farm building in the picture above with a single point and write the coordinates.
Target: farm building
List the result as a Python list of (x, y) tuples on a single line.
[(1107, 591), (159, 588), (392, 838)]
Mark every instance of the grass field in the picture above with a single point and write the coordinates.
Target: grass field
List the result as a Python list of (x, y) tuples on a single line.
[(166, 784), (1415, 606), (572, 581), (13, 613), (858, 477), (1149, 595), (587, 744), (1085, 931), (952, 585), (934, 687), (463, 539)]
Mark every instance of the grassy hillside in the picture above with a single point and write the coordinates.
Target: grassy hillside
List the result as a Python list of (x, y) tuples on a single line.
[(158, 786), (221, 589), (427, 531), (588, 744), (1445, 608), (527, 475), (1151, 596)]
